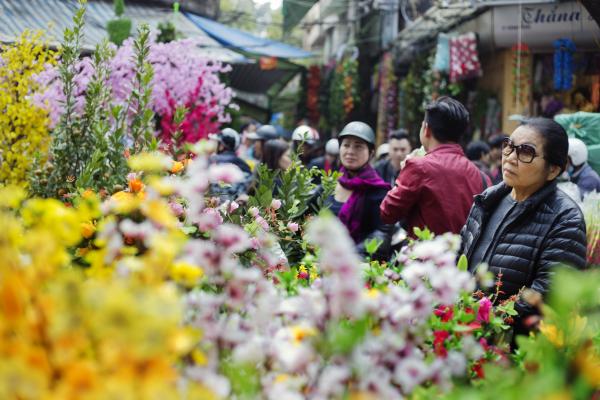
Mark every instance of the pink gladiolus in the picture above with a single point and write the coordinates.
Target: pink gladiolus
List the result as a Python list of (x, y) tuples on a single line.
[(485, 306), (292, 226)]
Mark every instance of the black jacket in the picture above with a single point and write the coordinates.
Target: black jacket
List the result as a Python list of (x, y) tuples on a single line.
[(229, 157), (371, 225), (542, 232)]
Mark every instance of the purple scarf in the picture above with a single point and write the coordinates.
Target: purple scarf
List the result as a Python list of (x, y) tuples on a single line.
[(351, 212)]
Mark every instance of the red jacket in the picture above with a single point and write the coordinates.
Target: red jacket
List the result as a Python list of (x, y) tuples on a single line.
[(434, 191)]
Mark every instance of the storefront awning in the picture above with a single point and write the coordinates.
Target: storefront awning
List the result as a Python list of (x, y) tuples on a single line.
[(246, 42), (53, 16), (422, 32)]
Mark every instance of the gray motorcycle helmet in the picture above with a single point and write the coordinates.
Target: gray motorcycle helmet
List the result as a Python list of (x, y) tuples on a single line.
[(267, 132), (360, 130)]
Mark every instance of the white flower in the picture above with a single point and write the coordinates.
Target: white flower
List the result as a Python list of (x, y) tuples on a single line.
[(232, 237), (409, 373), (275, 204), (225, 173), (251, 351)]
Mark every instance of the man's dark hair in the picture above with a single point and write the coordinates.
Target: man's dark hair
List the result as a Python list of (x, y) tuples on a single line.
[(476, 150), (447, 118), (273, 151), (399, 134), (556, 141), (496, 140)]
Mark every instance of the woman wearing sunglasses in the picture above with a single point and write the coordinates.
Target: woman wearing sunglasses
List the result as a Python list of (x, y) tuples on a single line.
[(524, 227)]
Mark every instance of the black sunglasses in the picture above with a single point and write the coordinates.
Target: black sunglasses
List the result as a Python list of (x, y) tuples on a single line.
[(525, 152)]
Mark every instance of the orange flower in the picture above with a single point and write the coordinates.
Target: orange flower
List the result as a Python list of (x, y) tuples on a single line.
[(136, 185), (176, 167), (87, 229)]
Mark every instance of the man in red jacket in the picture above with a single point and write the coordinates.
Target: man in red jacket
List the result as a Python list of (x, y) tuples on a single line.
[(436, 191)]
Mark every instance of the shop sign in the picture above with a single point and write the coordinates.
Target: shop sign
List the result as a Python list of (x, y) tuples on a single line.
[(541, 24)]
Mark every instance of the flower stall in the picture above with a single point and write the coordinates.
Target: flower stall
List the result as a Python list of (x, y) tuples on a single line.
[(128, 278)]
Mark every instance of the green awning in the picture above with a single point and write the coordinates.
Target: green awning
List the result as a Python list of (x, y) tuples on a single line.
[(293, 11)]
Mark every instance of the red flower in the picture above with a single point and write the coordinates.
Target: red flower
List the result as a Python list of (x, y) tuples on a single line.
[(303, 275), (439, 337), (478, 369), (444, 312)]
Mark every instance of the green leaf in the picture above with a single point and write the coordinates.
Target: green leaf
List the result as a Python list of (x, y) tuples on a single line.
[(372, 245), (463, 263)]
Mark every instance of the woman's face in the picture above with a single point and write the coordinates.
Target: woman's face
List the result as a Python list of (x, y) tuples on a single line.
[(354, 153), (521, 175), (286, 160)]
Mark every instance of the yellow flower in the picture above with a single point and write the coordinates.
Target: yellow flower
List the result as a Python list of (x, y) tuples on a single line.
[(199, 357), (186, 274), (552, 333), (300, 332), (159, 212), (150, 162), (87, 229)]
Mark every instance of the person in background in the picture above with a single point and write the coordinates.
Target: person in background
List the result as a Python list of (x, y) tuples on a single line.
[(495, 143), (525, 227), (400, 147), (436, 190), (382, 153), (479, 154), (330, 161), (580, 172), (246, 145), (305, 140), (277, 154), (360, 190), (262, 134), (228, 141)]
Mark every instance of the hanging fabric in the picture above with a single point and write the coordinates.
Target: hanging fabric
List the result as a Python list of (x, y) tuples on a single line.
[(521, 64), (596, 92), (464, 61), (563, 64), (442, 53)]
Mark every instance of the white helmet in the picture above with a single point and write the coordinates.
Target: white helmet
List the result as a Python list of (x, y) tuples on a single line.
[(577, 151), (305, 133), (383, 149), (332, 147)]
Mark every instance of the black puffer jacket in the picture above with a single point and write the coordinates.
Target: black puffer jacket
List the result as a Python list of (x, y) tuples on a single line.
[(541, 232)]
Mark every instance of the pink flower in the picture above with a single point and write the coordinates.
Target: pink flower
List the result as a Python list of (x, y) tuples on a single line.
[(254, 211), (176, 208), (276, 204), (262, 222), (209, 219), (485, 306), (232, 237), (292, 226), (232, 207)]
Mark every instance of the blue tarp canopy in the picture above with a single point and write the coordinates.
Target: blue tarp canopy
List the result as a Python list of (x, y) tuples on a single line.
[(234, 38)]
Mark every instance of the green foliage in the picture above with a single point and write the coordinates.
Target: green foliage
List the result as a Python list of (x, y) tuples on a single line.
[(88, 150), (119, 30), (244, 379), (463, 263), (342, 337), (119, 6), (167, 32), (142, 126), (300, 196), (71, 148)]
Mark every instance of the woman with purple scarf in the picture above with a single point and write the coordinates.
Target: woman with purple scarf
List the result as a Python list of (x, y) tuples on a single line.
[(360, 190)]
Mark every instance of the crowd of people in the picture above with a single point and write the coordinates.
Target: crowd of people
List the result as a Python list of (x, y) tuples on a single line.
[(502, 196)]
